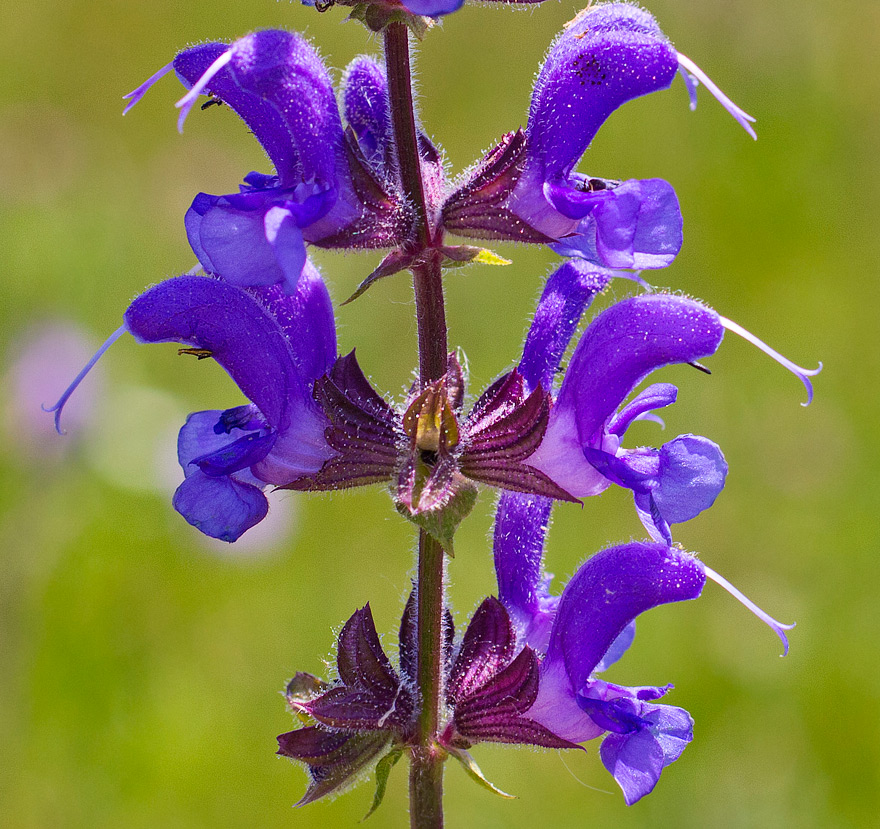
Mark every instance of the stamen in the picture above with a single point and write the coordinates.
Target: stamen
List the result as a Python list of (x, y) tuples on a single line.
[(801, 373), (136, 94), (59, 406), (185, 104), (693, 75), (777, 627)]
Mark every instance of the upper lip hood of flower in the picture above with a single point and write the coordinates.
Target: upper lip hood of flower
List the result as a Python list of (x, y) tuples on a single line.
[(275, 346), (278, 85), (606, 56), (325, 191)]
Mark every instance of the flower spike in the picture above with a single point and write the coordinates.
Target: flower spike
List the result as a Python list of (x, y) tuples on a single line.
[(693, 76), (803, 374), (777, 627), (59, 406)]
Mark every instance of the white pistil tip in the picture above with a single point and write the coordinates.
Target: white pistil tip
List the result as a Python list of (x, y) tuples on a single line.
[(59, 406), (803, 374), (136, 94), (185, 104), (693, 75), (777, 627)]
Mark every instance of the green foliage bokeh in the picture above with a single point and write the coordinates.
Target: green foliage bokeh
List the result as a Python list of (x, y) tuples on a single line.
[(142, 668)]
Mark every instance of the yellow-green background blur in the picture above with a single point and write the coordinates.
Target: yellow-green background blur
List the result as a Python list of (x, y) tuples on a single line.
[(141, 668)]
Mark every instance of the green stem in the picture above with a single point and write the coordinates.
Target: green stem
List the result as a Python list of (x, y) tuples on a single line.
[(426, 770)]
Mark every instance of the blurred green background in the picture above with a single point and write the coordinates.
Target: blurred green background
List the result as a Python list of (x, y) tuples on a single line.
[(142, 666)]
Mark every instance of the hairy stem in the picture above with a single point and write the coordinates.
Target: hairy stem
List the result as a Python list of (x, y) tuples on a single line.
[(426, 771), (403, 119)]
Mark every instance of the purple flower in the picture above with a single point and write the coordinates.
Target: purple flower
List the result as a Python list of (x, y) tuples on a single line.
[(587, 629), (323, 191), (525, 188), (582, 450), (275, 346)]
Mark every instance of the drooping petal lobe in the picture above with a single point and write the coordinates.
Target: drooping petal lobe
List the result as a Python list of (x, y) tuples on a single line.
[(637, 225), (692, 474), (222, 507), (636, 758), (261, 246)]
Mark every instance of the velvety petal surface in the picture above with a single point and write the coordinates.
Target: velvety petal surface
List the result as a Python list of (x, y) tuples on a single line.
[(521, 523), (306, 318), (283, 69), (242, 337), (608, 592), (607, 56)]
